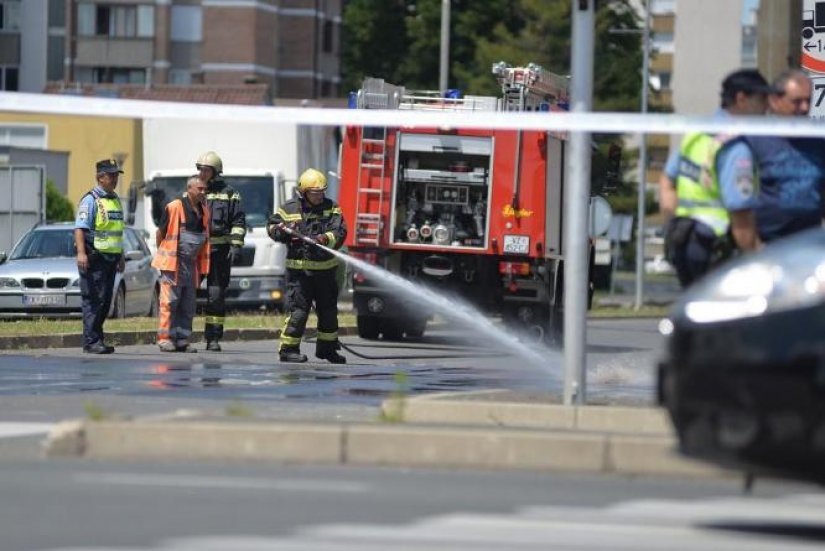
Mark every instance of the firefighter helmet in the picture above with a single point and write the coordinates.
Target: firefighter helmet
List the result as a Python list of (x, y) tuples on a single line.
[(312, 179), (210, 159)]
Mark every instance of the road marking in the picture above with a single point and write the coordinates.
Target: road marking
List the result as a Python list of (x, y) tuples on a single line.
[(12, 430), (222, 482)]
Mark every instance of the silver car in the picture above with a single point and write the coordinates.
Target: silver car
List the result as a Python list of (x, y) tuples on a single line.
[(40, 277)]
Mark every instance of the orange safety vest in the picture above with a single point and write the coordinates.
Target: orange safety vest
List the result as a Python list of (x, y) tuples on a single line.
[(166, 258)]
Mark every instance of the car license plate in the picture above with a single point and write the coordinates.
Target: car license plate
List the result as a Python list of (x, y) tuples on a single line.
[(517, 244), (44, 300)]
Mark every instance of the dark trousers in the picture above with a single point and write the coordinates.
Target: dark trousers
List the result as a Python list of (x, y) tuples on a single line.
[(217, 282), (96, 288), (696, 256), (303, 288)]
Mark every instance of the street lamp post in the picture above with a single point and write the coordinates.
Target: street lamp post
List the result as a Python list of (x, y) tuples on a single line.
[(640, 237), (444, 68)]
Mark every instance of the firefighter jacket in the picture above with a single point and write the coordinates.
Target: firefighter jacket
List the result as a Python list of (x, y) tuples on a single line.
[(166, 259), (697, 187), (325, 218), (227, 218)]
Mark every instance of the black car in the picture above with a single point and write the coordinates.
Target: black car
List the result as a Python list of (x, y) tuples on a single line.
[(744, 373)]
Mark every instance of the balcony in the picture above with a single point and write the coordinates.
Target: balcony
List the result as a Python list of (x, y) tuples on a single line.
[(115, 52)]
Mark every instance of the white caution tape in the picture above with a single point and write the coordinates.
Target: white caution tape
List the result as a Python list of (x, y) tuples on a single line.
[(609, 123)]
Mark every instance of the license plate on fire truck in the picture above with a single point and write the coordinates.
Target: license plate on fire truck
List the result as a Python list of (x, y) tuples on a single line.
[(516, 244)]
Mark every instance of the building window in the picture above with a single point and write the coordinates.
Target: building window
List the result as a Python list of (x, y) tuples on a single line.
[(8, 79), (327, 37), (181, 77), (115, 21), (187, 24), (110, 75), (10, 15), (33, 136)]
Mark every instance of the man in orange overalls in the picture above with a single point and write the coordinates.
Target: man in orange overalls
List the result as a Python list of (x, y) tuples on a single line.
[(182, 258)]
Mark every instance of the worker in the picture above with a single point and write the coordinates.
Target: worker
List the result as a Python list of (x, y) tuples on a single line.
[(98, 237), (226, 236), (708, 190), (311, 270), (791, 169), (183, 259)]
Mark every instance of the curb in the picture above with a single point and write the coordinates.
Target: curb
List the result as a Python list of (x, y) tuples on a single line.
[(379, 444)]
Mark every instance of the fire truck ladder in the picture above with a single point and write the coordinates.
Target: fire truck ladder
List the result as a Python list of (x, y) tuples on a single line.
[(372, 161), (525, 88)]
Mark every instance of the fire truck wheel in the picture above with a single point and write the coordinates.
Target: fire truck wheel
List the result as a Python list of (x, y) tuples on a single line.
[(392, 330), (415, 328), (367, 327)]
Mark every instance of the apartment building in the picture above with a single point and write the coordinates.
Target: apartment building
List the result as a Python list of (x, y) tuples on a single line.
[(294, 46)]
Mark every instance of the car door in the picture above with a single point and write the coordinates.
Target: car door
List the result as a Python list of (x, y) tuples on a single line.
[(138, 276)]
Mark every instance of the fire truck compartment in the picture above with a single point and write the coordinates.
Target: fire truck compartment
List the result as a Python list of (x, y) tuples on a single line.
[(443, 193)]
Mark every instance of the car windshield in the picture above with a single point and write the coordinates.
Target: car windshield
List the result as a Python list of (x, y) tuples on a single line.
[(45, 244), (257, 196)]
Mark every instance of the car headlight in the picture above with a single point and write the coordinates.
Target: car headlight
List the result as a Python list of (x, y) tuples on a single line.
[(785, 276), (8, 283)]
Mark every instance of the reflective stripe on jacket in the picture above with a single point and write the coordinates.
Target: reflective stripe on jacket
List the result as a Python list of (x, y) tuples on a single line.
[(166, 259), (326, 218), (697, 187), (228, 219)]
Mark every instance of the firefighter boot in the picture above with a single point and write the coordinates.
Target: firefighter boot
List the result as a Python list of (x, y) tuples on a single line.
[(328, 352), (213, 346), (292, 355)]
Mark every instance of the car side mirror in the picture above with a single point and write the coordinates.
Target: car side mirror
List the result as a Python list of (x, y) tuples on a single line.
[(3, 256), (133, 255)]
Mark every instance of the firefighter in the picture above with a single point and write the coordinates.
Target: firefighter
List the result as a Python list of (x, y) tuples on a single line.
[(98, 238), (311, 271), (183, 259), (227, 228)]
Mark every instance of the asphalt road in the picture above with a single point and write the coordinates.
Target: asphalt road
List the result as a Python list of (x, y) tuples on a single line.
[(64, 505), (42, 386)]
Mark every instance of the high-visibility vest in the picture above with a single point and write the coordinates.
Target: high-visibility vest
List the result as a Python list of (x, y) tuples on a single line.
[(166, 259), (108, 233), (697, 186)]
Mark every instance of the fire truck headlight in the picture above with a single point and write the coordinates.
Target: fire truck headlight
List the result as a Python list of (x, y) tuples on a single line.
[(375, 305), (441, 234)]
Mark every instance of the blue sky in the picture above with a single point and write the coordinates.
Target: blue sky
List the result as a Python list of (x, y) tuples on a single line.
[(749, 5)]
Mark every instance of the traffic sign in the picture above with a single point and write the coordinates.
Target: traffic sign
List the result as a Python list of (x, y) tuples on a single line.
[(813, 36), (817, 111)]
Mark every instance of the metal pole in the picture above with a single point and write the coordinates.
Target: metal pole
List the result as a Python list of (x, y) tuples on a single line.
[(444, 66), (640, 236), (577, 197)]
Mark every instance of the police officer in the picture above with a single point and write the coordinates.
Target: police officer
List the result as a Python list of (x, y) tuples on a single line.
[(311, 271), (227, 222), (707, 192), (98, 238)]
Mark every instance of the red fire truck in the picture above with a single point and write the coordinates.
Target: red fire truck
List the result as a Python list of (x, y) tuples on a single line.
[(468, 212)]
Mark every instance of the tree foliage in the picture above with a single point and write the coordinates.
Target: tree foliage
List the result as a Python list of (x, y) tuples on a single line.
[(399, 40), (58, 208)]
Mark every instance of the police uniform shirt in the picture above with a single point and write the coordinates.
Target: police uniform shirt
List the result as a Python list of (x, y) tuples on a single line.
[(86, 214)]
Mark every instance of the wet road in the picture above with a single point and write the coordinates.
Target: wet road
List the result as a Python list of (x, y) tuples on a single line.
[(42, 385)]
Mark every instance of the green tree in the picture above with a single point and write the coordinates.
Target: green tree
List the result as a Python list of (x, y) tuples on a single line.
[(58, 208)]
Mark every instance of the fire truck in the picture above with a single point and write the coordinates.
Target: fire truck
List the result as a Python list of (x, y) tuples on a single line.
[(472, 213)]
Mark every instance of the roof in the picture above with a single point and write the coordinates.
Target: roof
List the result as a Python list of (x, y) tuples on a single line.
[(234, 94)]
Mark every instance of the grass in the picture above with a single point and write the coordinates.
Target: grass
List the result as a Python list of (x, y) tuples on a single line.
[(45, 326)]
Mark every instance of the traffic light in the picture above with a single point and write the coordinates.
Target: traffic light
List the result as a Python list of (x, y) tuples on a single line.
[(614, 168)]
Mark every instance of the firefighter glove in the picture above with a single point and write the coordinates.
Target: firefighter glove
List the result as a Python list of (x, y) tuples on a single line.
[(321, 239)]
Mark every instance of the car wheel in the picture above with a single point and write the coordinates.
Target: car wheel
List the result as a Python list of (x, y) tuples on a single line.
[(393, 331), (416, 328), (154, 307), (119, 310)]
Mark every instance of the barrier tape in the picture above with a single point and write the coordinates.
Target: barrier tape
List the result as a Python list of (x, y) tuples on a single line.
[(607, 123)]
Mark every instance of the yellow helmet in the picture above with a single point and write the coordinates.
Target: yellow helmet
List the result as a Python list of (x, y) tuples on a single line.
[(312, 179), (210, 159)]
